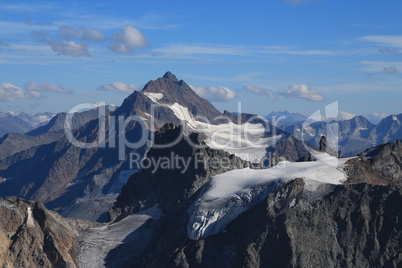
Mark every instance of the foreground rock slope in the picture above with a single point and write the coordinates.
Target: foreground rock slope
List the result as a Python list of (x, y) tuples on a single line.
[(32, 236)]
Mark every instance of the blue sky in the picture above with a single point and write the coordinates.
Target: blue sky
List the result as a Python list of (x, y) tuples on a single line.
[(295, 55)]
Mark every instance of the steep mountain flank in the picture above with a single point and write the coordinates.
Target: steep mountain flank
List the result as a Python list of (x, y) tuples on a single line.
[(174, 185), (32, 236), (354, 226), (380, 165)]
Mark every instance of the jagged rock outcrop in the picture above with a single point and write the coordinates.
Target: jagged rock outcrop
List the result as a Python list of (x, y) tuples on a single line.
[(32, 236), (323, 144), (290, 149), (380, 165), (325, 147)]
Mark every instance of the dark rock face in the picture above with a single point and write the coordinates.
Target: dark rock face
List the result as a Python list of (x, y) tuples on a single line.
[(380, 165), (290, 149), (32, 236), (355, 226), (175, 187)]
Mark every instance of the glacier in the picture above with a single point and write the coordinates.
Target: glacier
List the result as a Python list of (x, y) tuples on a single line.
[(246, 141), (229, 194)]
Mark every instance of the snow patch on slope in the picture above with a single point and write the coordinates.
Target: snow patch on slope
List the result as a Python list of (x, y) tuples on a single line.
[(153, 96), (229, 194), (30, 222)]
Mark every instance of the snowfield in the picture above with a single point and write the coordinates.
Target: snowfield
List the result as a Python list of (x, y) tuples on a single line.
[(229, 194), (97, 243)]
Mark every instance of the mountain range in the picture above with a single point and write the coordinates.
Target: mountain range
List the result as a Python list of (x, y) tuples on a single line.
[(285, 118), (22, 122), (354, 135), (204, 189), (84, 182)]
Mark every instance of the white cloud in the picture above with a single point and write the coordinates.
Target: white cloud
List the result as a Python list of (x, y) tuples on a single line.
[(384, 40), (88, 34), (127, 41), (9, 92), (45, 86), (390, 69), (215, 93), (70, 48), (303, 92), (260, 91), (118, 87)]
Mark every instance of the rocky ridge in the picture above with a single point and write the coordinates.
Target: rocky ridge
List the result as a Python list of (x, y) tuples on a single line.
[(32, 236)]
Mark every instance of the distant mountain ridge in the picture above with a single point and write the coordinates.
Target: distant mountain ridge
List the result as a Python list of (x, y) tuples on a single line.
[(355, 135), (22, 122), (285, 118)]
